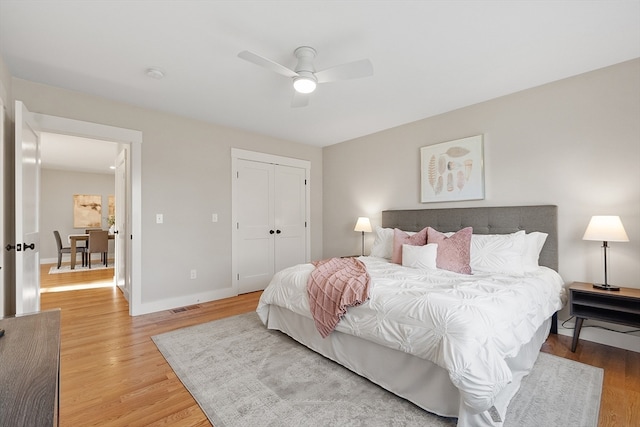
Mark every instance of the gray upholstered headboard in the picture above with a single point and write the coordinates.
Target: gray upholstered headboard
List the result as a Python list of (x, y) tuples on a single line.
[(485, 220)]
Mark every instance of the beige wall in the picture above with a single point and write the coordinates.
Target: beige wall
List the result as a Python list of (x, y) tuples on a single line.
[(5, 83), (56, 205), (574, 143), (186, 176)]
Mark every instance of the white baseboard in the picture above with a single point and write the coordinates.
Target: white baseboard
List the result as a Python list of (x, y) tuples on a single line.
[(614, 339), (183, 301)]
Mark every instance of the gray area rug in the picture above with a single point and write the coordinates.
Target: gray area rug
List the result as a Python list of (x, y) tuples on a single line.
[(242, 374)]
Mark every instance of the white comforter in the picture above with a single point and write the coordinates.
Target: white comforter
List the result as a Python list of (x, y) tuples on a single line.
[(465, 324)]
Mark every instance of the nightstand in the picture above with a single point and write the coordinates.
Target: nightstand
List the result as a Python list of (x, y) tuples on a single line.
[(587, 302)]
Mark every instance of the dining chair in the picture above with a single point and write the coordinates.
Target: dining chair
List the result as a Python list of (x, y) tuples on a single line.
[(98, 243), (86, 242), (67, 249)]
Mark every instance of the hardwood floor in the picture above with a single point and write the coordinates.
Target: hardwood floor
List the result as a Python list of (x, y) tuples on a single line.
[(112, 374)]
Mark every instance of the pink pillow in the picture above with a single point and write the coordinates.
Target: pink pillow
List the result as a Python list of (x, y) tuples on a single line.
[(402, 238), (454, 252)]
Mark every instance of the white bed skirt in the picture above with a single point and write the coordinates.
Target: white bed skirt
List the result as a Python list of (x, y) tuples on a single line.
[(418, 380)]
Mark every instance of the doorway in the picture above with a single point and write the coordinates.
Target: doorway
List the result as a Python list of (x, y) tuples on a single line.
[(128, 141), (72, 169)]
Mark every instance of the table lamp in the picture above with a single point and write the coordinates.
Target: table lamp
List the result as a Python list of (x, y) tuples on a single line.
[(606, 229), (364, 226)]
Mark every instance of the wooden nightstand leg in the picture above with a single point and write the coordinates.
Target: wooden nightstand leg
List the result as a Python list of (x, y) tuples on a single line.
[(576, 333)]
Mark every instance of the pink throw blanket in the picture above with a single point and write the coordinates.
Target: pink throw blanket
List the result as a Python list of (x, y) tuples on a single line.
[(334, 285)]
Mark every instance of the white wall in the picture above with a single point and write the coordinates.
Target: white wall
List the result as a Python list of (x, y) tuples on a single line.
[(574, 143), (56, 205), (186, 176)]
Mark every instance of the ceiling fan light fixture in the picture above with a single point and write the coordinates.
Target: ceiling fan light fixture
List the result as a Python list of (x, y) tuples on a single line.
[(304, 75), (304, 84)]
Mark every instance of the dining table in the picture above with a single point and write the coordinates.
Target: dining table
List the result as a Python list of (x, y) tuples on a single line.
[(73, 242)]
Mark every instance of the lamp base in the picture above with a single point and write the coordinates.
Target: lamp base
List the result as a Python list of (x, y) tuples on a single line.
[(606, 287)]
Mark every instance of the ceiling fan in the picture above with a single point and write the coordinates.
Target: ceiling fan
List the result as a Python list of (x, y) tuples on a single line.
[(304, 75)]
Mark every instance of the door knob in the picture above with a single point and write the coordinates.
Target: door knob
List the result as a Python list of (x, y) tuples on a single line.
[(271, 231), (31, 246), (278, 231)]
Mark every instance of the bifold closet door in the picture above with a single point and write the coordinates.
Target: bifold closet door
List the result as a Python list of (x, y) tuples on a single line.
[(271, 216)]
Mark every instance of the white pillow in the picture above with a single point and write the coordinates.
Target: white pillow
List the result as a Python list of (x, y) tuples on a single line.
[(423, 257), (498, 253), (533, 243), (383, 243)]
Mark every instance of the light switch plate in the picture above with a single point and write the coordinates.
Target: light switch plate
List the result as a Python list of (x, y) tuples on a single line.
[(159, 219), (214, 217)]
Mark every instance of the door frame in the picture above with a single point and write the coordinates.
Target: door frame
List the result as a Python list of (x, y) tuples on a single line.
[(132, 139), (4, 114), (236, 154)]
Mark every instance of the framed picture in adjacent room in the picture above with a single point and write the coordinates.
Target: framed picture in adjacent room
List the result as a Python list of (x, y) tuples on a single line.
[(87, 211), (452, 171)]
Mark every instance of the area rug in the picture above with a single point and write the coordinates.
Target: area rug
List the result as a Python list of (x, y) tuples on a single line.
[(67, 269), (242, 374)]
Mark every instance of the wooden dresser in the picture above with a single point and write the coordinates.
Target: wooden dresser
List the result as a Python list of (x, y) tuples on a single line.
[(30, 369)]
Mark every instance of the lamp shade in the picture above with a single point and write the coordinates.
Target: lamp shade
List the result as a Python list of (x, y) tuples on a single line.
[(605, 228), (363, 225)]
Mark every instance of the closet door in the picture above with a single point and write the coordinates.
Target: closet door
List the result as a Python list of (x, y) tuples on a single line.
[(290, 214), (255, 225), (270, 201)]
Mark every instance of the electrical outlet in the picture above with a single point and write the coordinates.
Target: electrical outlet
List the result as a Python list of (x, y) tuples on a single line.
[(194, 274)]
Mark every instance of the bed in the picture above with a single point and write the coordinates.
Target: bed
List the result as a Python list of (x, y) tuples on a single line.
[(439, 358)]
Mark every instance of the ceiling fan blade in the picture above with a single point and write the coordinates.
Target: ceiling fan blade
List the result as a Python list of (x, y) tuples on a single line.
[(300, 99), (350, 70), (266, 63)]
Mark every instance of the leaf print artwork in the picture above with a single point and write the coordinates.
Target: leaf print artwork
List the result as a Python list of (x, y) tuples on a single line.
[(442, 164), (453, 165), (460, 180), (452, 170), (457, 152), (431, 173), (468, 165), (439, 185)]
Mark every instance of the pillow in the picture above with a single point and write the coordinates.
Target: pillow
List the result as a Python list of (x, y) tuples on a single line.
[(498, 253), (453, 251), (383, 243), (403, 238), (423, 257), (533, 243)]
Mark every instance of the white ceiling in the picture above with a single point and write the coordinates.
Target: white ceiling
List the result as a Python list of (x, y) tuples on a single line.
[(429, 57), (65, 152)]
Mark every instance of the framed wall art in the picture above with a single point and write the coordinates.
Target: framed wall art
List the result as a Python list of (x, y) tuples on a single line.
[(87, 211), (452, 171)]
